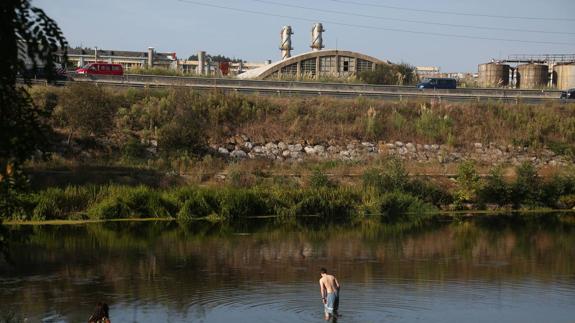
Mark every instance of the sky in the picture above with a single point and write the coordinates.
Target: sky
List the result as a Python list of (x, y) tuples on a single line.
[(418, 32)]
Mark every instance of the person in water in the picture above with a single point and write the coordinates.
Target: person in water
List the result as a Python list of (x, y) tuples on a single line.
[(329, 289), (101, 314)]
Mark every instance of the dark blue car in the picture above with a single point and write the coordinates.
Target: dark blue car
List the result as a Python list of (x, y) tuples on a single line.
[(437, 83), (568, 95)]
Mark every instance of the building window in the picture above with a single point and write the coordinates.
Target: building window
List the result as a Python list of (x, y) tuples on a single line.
[(289, 70), (308, 67), (327, 65), (363, 65), (347, 64)]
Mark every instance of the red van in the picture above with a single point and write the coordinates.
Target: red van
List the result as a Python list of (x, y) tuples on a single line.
[(101, 69)]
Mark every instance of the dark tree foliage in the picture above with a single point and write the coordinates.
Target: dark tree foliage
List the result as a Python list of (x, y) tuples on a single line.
[(390, 74), (216, 58), (26, 32)]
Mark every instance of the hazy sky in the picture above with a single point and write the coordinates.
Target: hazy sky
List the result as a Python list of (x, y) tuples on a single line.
[(186, 26)]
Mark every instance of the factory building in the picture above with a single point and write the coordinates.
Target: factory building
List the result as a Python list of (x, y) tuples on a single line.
[(78, 57), (314, 64)]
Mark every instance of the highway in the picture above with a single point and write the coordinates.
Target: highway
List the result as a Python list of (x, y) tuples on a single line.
[(310, 89)]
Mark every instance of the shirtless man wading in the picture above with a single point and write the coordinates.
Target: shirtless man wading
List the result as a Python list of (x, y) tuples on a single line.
[(329, 289)]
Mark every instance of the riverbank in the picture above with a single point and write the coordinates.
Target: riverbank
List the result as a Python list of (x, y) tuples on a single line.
[(386, 193)]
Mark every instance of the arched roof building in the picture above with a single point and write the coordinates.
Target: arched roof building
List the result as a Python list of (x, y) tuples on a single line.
[(337, 63)]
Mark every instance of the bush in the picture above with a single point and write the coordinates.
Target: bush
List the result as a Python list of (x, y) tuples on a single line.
[(468, 182), (526, 190), (391, 177), (400, 207), (87, 109), (319, 179), (495, 189), (390, 74)]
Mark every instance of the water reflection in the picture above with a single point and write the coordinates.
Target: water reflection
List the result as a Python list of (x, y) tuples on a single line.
[(506, 271)]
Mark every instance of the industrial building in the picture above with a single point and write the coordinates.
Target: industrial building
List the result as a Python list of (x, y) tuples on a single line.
[(151, 59), (529, 72), (314, 64)]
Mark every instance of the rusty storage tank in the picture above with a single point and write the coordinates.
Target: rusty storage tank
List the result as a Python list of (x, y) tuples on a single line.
[(564, 76), (532, 76), (493, 74)]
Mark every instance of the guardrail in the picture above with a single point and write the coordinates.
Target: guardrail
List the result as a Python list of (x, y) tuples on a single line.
[(181, 80), (308, 89)]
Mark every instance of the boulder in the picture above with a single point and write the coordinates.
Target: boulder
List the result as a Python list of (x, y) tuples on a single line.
[(239, 154)]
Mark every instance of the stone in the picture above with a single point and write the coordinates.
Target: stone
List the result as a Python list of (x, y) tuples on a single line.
[(345, 153), (427, 147), (223, 151), (295, 154), (240, 154), (398, 144), (286, 153), (271, 145), (435, 147), (333, 150), (257, 150), (245, 138), (389, 146), (282, 145), (410, 147), (319, 148), (248, 145), (478, 145), (297, 147), (309, 150)]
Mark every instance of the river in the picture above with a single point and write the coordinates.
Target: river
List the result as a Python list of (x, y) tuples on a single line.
[(483, 270)]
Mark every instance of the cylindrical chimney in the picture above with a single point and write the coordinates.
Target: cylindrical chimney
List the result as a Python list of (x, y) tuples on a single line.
[(316, 37), (285, 44), (150, 57), (201, 63)]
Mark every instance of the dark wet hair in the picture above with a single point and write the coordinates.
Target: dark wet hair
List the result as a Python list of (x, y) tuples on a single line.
[(100, 313), (323, 270)]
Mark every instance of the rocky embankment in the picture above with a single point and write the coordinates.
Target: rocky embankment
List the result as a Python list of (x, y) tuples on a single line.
[(242, 147)]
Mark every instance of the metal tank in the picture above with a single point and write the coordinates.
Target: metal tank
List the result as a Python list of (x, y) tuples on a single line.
[(493, 74), (285, 44), (564, 76), (532, 76), (317, 37)]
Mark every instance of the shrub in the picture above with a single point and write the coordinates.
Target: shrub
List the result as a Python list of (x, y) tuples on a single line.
[(495, 189), (468, 182), (87, 109), (527, 187), (391, 177), (390, 74), (400, 207), (319, 179)]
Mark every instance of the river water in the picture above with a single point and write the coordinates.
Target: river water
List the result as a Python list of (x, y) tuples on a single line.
[(510, 270)]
